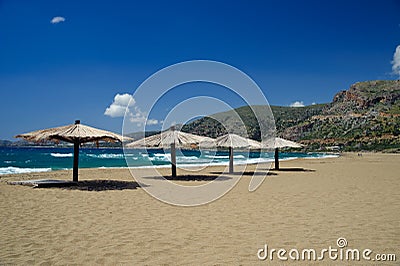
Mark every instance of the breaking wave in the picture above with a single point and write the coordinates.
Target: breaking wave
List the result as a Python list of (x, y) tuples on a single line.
[(61, 155), (18, 170)]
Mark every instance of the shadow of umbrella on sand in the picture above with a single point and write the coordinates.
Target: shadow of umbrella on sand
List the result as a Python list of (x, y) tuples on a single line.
[(280, 143), (170, 138), (76, 134), (232, 141)]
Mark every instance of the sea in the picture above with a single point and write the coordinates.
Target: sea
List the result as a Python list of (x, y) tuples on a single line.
[(15, 160)]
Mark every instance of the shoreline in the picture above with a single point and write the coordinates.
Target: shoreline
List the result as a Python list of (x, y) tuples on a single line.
[(166, 166), (248, 161)]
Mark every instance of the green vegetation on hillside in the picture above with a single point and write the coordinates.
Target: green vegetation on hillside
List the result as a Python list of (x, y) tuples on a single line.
[(284, 117), (365, 117)]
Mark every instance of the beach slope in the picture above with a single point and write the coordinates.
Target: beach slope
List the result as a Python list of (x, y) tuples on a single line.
[(351, 197)]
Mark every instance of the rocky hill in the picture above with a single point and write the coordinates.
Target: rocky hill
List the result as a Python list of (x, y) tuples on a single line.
[(364, 117), (371, 96)]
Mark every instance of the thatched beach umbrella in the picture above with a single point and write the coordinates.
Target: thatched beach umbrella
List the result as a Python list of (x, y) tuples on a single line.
[(170, 138), (232, 141), (280, 143), (76, 134)]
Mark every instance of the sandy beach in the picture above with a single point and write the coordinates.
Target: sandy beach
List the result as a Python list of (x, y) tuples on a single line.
[(351, 197)]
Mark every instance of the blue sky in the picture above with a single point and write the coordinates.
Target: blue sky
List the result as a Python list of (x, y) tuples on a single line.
[(54, 73)]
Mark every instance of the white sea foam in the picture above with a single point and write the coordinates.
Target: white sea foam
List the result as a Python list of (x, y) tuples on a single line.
[(200, 162), (18, 170), (61, 155), (239, 156), (161, 157), (162, 154), (256, 160), (323, 156), (131, 155), (106, 156), (194, 159)]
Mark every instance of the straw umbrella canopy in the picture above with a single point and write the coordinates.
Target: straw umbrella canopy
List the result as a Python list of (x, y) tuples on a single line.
[(170, 138), (232, 141), (281, 143), (76, 134)]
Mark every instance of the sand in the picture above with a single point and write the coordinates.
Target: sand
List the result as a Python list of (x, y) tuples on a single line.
[(357, 198)]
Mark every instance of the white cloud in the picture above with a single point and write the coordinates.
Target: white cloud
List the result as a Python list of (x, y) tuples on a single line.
[(118, 107), (152, 122), (140, 118), (57, 20), (137, 116), (396, 61), (125, 103), (124, 99), (115, 110), (297, 104), (313, 103)]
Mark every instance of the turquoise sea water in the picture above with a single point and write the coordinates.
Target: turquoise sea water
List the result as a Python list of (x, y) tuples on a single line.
[(33, 159)]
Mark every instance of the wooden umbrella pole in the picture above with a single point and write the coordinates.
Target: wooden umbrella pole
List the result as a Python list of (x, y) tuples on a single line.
[(276, 159), (173, 159), (230, 160), (76, 161)]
